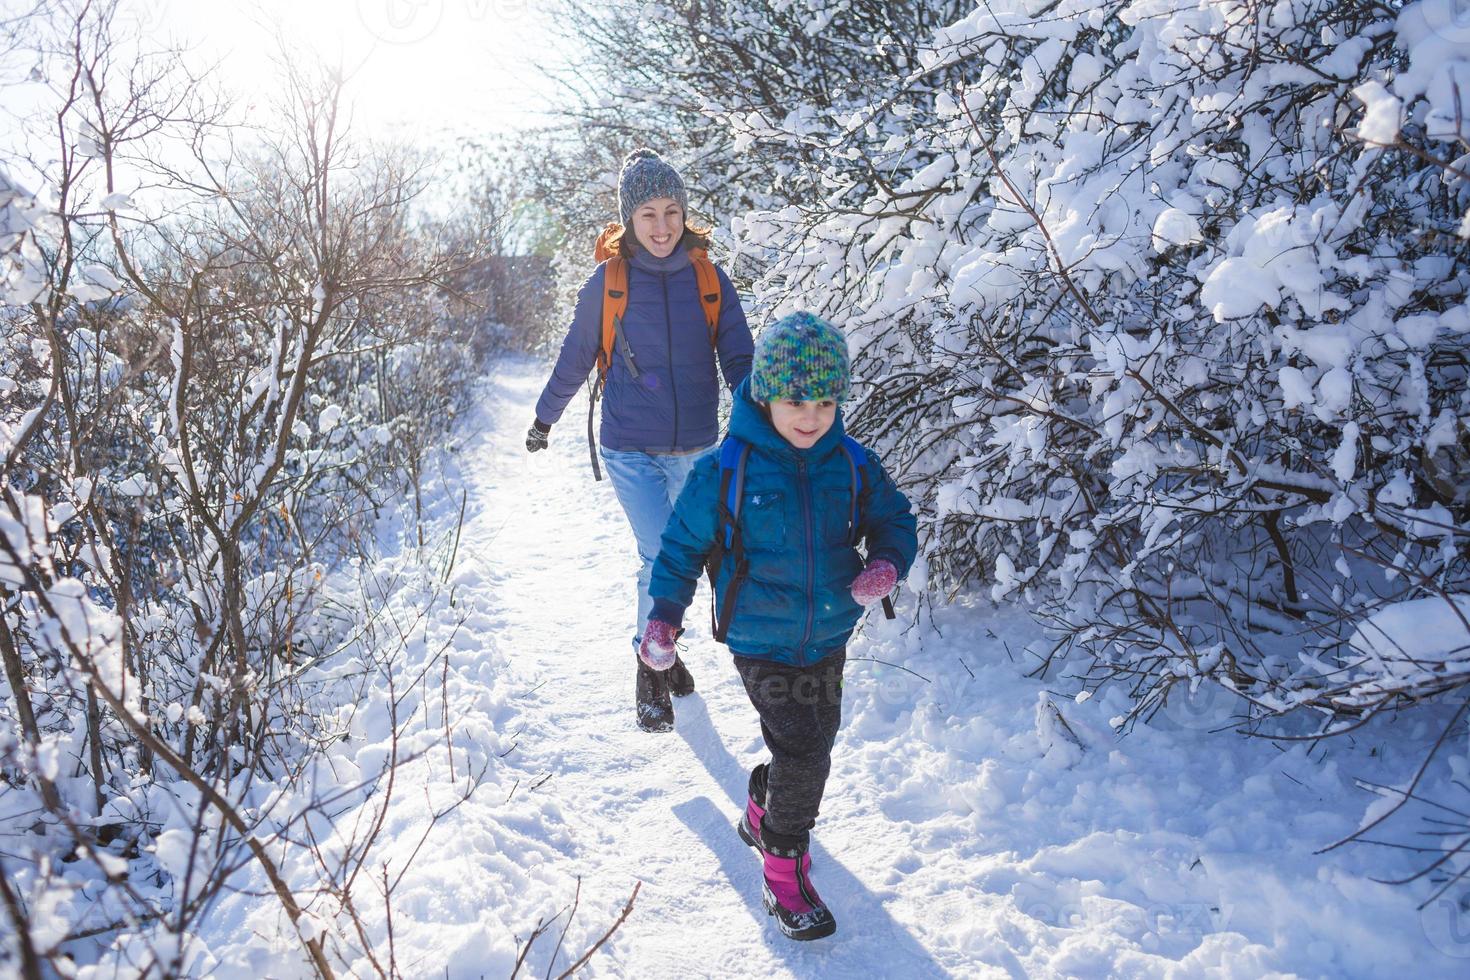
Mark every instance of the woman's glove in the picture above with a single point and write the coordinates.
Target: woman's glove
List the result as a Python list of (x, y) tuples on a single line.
[(657, 648), (874, 582), (536, 436)]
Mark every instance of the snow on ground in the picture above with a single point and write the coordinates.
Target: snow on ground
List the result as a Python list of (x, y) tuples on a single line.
[(978, 822)]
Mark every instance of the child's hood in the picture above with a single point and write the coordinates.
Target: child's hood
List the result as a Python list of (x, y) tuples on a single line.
[(749, 422)]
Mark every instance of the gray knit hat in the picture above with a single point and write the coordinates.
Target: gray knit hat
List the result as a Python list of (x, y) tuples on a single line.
[(800, 357), (646, 176)]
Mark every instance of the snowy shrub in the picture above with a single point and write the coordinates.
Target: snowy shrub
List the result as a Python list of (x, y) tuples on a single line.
[(209, 387), (1158, 308), (507, 285), (699, 81)]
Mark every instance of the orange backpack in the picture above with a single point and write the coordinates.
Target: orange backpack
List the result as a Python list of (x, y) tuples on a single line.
[(615, 297), (615, 305)]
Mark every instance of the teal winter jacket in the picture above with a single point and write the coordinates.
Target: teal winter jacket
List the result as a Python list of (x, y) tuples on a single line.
[(794, 607)]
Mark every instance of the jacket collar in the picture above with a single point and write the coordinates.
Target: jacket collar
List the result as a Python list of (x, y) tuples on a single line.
[(673, 262)]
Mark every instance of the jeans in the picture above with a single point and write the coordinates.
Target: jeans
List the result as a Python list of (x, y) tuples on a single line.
[(647, 484), (801, 710)]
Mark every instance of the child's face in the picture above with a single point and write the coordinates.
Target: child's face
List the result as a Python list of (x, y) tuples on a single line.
[(803, 423)]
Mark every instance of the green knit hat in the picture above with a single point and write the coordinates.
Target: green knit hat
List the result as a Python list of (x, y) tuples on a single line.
[(800, 357)]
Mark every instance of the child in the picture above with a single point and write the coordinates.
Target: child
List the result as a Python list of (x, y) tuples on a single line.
[(803, 587)]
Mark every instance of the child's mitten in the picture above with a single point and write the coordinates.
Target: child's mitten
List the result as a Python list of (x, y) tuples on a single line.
[(874, 582), (657, 648)]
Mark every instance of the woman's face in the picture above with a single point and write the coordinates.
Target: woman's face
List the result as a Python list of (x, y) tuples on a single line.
[(803, 423), (659, 224)]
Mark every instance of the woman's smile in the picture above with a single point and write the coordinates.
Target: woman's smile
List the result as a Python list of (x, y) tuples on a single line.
[(658, 225)]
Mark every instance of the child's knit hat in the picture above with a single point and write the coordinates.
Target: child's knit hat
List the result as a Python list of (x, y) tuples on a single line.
[(800, 357), (645, 176)]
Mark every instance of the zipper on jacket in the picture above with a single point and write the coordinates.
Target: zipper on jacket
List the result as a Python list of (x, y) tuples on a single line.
[(673, 387), (811, 593)]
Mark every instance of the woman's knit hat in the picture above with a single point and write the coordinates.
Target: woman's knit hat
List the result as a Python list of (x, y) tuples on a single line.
[(800, 357), (645, 176)]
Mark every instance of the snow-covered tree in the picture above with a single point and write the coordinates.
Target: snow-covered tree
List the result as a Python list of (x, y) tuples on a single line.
[(222, 350), (1159, 308), (700, 81)]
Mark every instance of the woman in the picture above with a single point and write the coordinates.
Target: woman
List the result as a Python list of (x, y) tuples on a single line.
[(661, 392)]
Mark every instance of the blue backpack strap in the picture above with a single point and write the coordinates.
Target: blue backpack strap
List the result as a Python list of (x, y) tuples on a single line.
[(855, 456), (734, 453)]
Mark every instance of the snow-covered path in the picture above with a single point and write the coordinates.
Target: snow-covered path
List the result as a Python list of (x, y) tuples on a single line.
[(964, 832), (660, 809)]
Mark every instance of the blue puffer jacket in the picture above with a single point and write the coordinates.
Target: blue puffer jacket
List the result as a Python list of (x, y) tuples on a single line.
[(673, 404), (795, 607)]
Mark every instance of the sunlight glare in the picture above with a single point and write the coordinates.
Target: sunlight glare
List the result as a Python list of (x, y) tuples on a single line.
[(419, 69)]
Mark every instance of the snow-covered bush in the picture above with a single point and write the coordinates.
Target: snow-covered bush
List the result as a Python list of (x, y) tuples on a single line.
[(1159, 309), (507, 286), (209, 386), (702, 83)]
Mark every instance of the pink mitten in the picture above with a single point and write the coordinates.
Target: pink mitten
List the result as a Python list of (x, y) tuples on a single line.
[(874, 582), (657, 648)]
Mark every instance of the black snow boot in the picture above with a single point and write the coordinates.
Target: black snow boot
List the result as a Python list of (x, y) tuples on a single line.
[(655, 709), (681, 682)]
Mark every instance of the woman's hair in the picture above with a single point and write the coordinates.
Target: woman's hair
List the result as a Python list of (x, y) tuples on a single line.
[(625, 242)]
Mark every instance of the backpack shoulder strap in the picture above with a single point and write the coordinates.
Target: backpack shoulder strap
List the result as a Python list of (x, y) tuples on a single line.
[(709, 289), (614, 306), (856, 456), (734, 452)]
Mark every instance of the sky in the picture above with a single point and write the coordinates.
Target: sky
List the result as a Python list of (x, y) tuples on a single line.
[(428, 73), (424, 71), (420, 68)]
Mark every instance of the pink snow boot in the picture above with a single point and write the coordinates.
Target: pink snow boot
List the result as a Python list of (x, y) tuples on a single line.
[(755, 807), (789, 893)]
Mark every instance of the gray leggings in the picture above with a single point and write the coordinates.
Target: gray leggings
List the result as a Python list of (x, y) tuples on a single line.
[(800, 709)]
